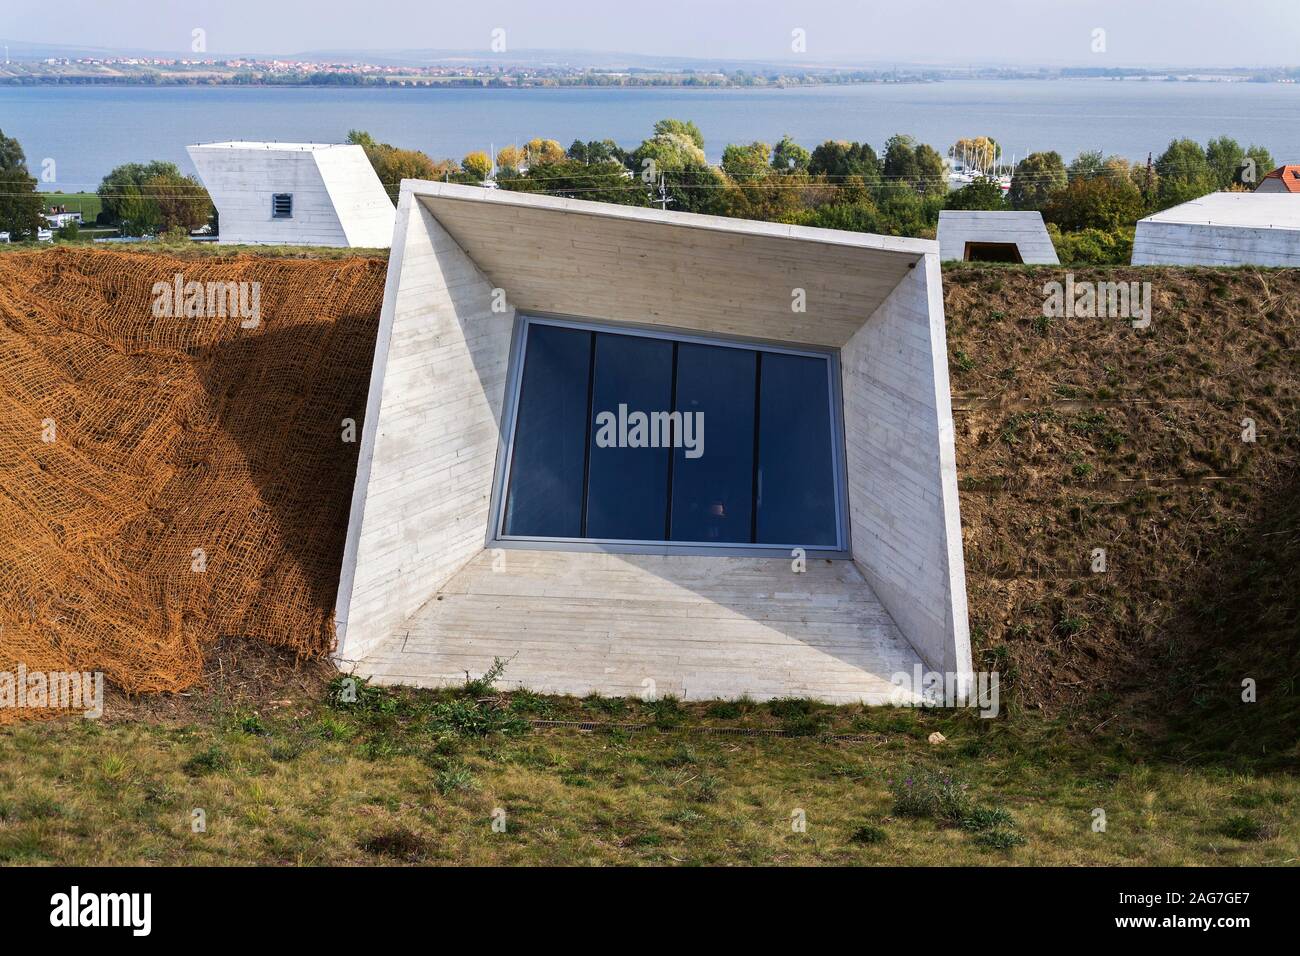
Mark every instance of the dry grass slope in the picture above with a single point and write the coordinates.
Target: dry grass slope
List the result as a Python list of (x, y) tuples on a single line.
[(1083, 433), (1072, 435)]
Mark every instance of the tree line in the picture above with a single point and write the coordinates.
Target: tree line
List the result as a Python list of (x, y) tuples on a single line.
[(1091, 204)]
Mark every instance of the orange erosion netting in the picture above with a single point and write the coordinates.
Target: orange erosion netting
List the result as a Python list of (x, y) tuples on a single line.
[(167, 478)]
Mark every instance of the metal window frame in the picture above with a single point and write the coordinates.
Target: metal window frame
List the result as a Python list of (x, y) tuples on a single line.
[(276, 215), (496, 537)]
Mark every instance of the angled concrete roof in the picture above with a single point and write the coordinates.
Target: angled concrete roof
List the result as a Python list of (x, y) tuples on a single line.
[(1223, 229), (626, 263), (1245, 210), (957, 227)]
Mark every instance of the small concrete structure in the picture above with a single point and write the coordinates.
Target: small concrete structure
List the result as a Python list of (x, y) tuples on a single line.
[(1222, 229), (990, 236), (431, 586), (308, 194)]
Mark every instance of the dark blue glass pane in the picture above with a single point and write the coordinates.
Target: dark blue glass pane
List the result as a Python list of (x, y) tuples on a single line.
[(546, 469), (627, 487), (713, 492), (796, 478)]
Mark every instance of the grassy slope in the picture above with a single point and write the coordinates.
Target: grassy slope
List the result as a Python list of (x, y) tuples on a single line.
[(406, 777), (1055, 423)]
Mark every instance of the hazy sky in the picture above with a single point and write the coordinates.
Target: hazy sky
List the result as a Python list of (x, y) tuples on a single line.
[(1048, 32)]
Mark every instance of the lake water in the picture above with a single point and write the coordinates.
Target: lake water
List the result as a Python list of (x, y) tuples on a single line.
[(89, 130)]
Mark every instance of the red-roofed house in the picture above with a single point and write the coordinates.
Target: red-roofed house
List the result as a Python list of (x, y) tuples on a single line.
[(1284, 179)]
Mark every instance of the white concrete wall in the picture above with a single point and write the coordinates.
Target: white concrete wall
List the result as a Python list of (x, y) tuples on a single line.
[(1202, 244), (337, 198), (421, 504), (902, 469), (428, 450), (358, 197), (960, 226)]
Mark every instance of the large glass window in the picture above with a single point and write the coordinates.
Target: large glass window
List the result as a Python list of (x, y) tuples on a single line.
[(630, 437)]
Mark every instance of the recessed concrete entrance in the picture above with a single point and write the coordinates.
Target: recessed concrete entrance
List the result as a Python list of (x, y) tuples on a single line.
[(698, 627)]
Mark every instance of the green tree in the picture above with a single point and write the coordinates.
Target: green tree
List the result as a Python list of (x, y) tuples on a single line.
[(392, 165), (135, 212), (1035, 179), (982, 193), (601, 182), (1185, 173), (180, 202), (1263, 164), (1100, 202), (850, 217), (1086, 165), (666, 152), (597, 151), (838, 160), (21, 207), (121, 192), (916, 165), (789, 156), (11, 154), (747, 163), (698, 187), (1225, 157), (680, 128)]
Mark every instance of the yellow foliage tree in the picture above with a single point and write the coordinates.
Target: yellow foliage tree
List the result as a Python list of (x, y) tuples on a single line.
[(478, 164)]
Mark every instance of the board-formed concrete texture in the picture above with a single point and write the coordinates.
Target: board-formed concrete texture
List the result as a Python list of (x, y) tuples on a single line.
[(1222, 229), (960, 228), (337, 200), (425, 595)]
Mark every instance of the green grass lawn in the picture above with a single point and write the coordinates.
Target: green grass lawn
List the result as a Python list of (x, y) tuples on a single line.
[(88, 204), (419, 777)]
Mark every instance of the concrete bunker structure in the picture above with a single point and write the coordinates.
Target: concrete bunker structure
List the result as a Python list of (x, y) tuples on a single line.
[(308, 194), (490, 521), (1222, 229), (980, 236)]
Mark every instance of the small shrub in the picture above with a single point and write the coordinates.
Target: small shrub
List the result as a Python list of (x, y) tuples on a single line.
[(485, 685), (868, 833), (666, 711), (526, 702), (987, 818), (706, 790), (210, 761), (614, 706), (252, 725), (466, 717), (452, 778), (931, 794), (724, 710), (806, 725), (1000, 839), (788, 707), (1242, 827)]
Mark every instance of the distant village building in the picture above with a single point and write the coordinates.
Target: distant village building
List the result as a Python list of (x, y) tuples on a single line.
[(1222, 229), (988, 236), (309, 194), (1284, 179)]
